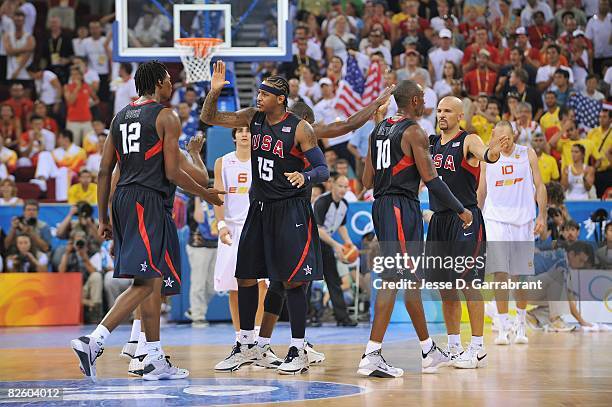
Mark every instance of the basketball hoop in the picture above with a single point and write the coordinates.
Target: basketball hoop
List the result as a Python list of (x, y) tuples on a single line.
[(196, 54)]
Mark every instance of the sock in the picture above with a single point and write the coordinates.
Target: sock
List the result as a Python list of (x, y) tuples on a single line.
[(247, 337), (521, 314), (135, 330), (426, 345), (237, 336), (100, 334), (141, 347), (454, 339), (261, 341), (154, 350), (477, 341), (257, 328), (248, 298), (297, 306), (298, 343), (372, 347), (503, 320)]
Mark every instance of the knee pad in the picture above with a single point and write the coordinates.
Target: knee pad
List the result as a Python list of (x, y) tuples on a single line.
[(275, 297)]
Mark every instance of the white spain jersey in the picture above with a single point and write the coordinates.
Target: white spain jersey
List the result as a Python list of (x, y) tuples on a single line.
[(237, 181), (510, 189)]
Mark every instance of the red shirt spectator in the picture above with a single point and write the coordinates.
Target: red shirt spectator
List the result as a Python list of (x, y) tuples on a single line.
[(78, 95), (22, 106), (537, 31), (481, 79), (10, 127)]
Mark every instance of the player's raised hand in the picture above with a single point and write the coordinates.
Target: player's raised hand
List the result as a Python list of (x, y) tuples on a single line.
[(385, 96), (296, 178), (195, 144), (211, 196), (467, 218), (499, 140), (105, 230), (218, 77)]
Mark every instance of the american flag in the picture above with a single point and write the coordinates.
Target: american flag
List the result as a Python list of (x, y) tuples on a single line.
[(587, 110), (352, 94)]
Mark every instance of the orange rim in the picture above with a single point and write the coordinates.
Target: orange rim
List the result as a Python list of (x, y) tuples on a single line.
[(199, 45)]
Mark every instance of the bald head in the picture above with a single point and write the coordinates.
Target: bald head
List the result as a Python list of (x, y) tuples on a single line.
[(452, 102), (504, 128), (450, 112)]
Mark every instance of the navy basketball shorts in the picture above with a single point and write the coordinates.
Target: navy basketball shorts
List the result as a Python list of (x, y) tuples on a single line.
[(280, 241), (398, 224), (145, 238), (453, 252)]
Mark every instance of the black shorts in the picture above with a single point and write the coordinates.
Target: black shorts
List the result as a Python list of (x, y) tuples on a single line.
[(447, 239), (398, 224), (280, 241), (145, 239)]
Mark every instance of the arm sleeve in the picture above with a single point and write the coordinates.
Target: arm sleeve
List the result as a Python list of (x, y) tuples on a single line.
[(444, 194), (319, 172)]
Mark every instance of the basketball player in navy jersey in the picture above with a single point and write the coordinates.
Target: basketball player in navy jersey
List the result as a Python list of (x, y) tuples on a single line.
[(279, 240), (456, 155), (397, 160), (144, 141)]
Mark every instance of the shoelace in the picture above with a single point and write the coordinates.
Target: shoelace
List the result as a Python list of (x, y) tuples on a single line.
[(292, 354), (235, 349)]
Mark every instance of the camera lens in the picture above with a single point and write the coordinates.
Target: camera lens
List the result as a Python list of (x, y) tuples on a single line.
[(80, 244)]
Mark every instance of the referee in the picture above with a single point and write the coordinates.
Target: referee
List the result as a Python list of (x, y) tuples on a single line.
[(330, 213)]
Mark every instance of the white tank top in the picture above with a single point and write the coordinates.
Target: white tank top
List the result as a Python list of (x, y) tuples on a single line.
[(237, 181), (12, 62), (576, 190), (510, 189)]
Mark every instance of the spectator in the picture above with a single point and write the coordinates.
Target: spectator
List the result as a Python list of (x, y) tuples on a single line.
[(335, 70), (292, 69), (431, 100), (21, 105), (472, 22), (91, 140), (439, 56), (10, 126), (49, 123), (527, 94), (317, 191), (19, 46), (8, 192), (570, 232), (600, 136), (561, 86), (525, 128), (66, 160), (598, 31), (202, 254), (189, 125), (308, 86), (412, 39), (375, 44), (147, 33), (603, 255), (538, 30), (95, 157), (591, 88), (77, 259), (482, 121), (568, 137), (8, 160), (56, 52), (470, 61), (29, 12), (546, 73), (293, 97), (409, 10), (531, 55), (517, 62), (482, 79), (64, 13), (549, 169), (124, 88), (84, 223), (343, 167), (577, 178), (313, 49), (78, 95), (42, 138), (97, 56), (504, 25), (377, 16), (358, 145), (442, 87), (84, 191), (569, 7), (113, 287), (27, 259), (336, 43), (550, 118), (511, 113), (533, 6), (413, 67), (79, 43), (438, 22), (29, 224), (90, 76)]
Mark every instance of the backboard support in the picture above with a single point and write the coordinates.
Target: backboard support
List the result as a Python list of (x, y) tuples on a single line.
[(251, 30)]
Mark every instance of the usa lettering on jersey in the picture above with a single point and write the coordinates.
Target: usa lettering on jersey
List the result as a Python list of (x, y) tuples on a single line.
[(265, 143), (449, 162)]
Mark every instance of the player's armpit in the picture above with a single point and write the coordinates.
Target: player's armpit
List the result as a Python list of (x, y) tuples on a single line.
[(415, 139)]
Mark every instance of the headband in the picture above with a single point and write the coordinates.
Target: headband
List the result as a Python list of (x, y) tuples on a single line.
[(272, 90)]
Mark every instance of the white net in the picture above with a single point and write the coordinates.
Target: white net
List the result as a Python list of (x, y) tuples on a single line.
[(196, 60)]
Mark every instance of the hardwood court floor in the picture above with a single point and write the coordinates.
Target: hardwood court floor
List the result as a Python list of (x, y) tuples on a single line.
[(568, 369)]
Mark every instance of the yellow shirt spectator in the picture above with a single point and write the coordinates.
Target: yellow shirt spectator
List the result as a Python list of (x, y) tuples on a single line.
[(548, 168), (549, 119), (564, 146), (483, 127), (603, 142), (73, 157), (85, 190)]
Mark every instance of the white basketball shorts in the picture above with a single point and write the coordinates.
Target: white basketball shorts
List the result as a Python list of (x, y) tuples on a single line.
[(510, 248)]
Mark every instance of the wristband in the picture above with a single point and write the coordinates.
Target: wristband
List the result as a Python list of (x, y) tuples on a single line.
[(487, 159), (221, 224)]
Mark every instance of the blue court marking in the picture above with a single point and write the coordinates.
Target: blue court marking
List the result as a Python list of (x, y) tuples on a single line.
[(215, 334), (188, 392)]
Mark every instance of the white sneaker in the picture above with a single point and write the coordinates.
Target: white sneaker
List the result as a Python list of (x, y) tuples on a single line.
[(241, 355), (503, 336), (88, 351), (162, 369), (296, 362), (267, 358), (491, 312), (432, 360), (472, 358), (454, 351), (136, 366), (314, 357), (129, 350), (520, 332), (374, 365)]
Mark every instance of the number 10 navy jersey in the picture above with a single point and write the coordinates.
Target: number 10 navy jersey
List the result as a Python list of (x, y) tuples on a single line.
[(394, 172)]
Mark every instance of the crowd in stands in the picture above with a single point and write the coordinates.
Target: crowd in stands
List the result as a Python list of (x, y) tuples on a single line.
[(542, 65)]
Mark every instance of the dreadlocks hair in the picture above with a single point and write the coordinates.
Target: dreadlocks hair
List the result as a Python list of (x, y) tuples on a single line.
[(148, 75), (280, 83)]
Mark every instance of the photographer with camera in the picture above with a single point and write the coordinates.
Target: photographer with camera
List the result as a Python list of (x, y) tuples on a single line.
[(78, 257), (29, 224), (27, 259), (84, 223)]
